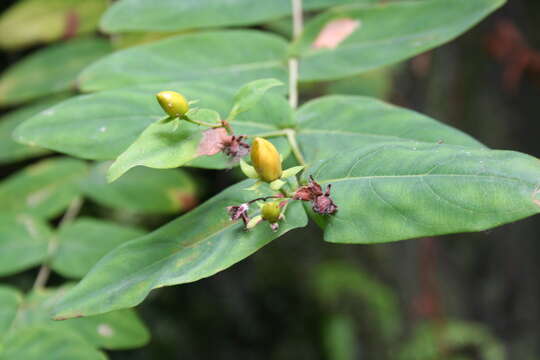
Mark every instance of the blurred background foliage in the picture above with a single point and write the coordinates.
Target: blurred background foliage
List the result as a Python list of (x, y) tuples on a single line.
[(467, 297)]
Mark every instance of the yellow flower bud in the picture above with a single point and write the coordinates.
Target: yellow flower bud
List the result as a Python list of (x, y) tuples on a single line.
[(271, 212), (173, 103), (266, 160)]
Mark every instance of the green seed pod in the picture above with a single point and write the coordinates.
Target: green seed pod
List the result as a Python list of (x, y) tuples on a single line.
[(173, 103), (271, 212), (266, 160)]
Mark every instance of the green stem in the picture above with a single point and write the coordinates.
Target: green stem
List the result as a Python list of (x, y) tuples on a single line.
[(196, 122), (270, 134), (293, 62), (291, 136)]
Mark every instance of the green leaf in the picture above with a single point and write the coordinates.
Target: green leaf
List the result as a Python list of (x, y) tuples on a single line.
[(333, 125), (43, 189), (194, 246), (142, 190), (30, 22), (46, 343), (277, 184), (398, 191), (82, 243), (375, 83), (10, 299), (50, 70), (101, 126), (292, 171), (115, 330), (24, 241), (250, 94), (208, 116), (160, 146), (169, 15), (10, 151), (384, 34), (227, 58), (248, 170)]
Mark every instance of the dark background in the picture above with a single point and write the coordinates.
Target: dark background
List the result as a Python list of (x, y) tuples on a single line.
[(273, 305)]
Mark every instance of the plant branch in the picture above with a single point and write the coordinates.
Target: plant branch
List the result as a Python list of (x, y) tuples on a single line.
[(196, 122), (270, 134), (42, 277), (293, 62), (70, 215)]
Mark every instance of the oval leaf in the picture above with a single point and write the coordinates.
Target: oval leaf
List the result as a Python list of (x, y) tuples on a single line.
[(24, 241), (115, 330), (391, 192), (10, 151), (29, 22), (44, 189), (142, 190), (383, 34), (101, 126), (50, 70), (250, 94), (82, 243), (169, 15), (45, 343), (338, 124), (194, 246), (202, 57)]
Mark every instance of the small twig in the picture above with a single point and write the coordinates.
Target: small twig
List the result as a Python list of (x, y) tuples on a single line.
[(45, 270)]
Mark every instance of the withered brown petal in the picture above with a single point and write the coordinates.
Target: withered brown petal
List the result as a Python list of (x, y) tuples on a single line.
[(212, 141)]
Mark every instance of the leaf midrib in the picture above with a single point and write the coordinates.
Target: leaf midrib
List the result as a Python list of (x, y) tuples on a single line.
[(337, 180)]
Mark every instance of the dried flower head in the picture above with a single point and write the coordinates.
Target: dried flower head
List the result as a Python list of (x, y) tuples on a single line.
[(308, 192), (324, 204), (321, 203), (235, 147), (216, 140), (239, 212)]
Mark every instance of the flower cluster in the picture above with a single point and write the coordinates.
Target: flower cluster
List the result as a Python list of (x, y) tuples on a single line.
[(270, 212)]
